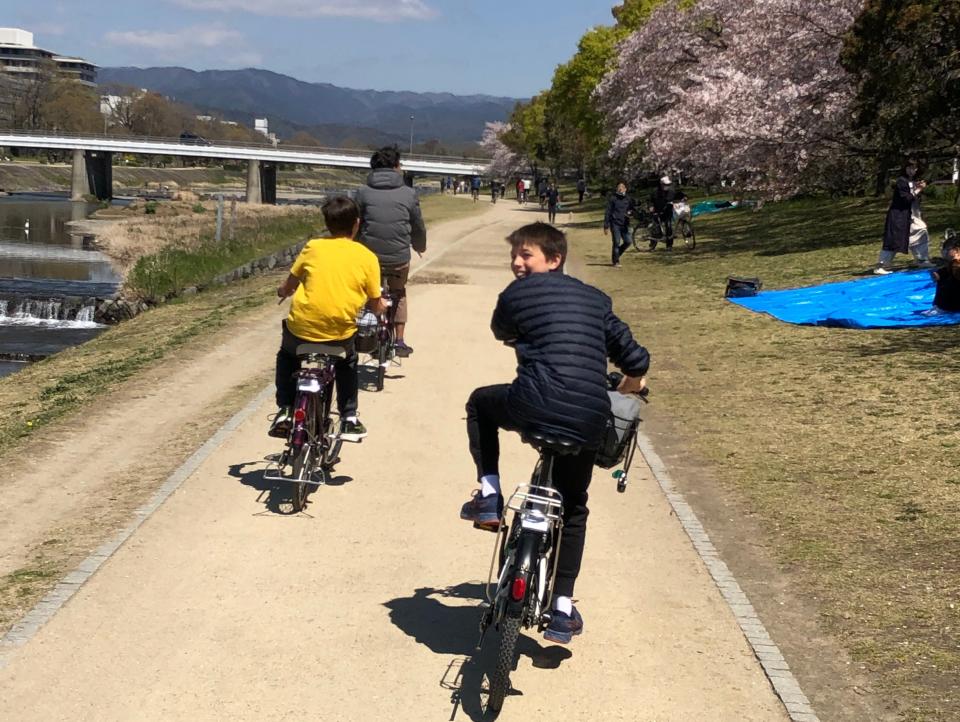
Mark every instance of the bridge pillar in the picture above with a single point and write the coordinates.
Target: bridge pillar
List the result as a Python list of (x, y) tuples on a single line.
[(268, 183), (78, 180), (254, 194), (99, 173)]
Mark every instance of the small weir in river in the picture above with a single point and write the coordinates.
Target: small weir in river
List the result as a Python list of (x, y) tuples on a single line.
[(50, 280)]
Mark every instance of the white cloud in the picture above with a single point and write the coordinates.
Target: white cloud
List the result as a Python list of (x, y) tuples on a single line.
[(379, 10), (182, 40)]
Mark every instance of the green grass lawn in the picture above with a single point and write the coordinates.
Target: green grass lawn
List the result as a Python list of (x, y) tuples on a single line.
[(844, 443)]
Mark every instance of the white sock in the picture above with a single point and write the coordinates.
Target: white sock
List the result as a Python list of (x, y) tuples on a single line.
[(489, 484), (563, 604), (352, 419)]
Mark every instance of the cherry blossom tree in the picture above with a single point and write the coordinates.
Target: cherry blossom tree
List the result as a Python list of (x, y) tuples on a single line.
[(504, 163), (744, 89)]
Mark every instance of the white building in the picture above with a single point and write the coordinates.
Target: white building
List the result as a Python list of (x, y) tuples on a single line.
[(20, 58)]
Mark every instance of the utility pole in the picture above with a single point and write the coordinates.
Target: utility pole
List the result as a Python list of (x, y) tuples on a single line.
[(411, 135)]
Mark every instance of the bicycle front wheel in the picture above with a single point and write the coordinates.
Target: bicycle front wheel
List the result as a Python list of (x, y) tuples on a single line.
[(686, 232), (506, 658), (640, 238)]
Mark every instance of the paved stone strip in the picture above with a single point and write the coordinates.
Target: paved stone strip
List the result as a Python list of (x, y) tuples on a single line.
[(767, 652), (24, 630)]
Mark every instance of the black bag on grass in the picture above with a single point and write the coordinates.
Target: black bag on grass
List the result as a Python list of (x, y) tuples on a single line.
[(740, 286)]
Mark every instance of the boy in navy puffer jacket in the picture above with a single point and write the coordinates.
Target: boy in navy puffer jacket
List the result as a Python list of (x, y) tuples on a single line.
[(564, 331)]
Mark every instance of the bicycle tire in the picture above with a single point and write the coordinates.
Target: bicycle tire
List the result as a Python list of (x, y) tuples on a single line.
[(383, 353), (640, 238), (506, 658), (332, 443), (686, 232), (301, 467)]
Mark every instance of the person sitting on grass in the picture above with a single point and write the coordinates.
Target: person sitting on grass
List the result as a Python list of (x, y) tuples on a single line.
[(564, 330), (331, 281), (947, 296)]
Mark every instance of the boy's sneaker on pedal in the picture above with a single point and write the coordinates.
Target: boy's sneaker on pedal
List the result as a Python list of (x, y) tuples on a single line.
[(352, 430), (402, 350), (563, 627), (280, 426), (483, 511)]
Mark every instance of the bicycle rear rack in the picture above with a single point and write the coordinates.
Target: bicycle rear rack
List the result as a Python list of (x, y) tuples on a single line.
[(547, 503)]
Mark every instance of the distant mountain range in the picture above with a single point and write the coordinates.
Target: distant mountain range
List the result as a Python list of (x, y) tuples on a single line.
[(328, 112)]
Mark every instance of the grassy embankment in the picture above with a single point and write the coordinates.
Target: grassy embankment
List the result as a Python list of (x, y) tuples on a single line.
[(50, 394), (843, 443)]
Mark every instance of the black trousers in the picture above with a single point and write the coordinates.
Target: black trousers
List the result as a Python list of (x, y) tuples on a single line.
[(288, 364), (666, 223), (487, 413)]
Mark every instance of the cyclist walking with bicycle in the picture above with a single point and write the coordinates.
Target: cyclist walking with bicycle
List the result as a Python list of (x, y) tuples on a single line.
[(662, 200), (331, 281), (564, 331), (390, 225)]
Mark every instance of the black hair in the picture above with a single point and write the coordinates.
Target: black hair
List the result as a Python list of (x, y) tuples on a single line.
[(340, 213), (386, 157), (548, 239)]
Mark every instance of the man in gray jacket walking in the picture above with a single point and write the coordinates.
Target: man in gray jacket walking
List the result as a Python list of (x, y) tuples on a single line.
[(390, 224)]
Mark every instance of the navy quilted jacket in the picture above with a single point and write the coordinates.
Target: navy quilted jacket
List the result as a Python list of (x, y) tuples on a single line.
[(564, 331)]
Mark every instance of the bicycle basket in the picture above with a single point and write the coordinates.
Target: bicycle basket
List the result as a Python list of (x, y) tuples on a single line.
[(366, 338), (620, 431)]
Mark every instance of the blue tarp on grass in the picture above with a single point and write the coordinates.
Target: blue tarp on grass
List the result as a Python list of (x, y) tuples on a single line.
[(894, 301)]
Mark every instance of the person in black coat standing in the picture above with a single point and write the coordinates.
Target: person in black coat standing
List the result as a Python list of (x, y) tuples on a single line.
[(905, 230), (620, 209), (662, 202)]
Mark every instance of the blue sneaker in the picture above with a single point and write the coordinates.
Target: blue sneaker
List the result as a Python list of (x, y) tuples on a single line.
[(563, 628), (483, 511)]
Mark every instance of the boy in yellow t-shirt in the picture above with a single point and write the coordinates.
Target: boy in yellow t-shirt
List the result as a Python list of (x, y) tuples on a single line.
[(331, 281)]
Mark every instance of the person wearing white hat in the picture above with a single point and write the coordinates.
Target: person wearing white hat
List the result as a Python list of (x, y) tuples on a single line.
[(662, 201)]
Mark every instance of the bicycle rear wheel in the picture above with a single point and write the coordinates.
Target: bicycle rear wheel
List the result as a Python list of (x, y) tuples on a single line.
[(506, 658), (640, 238), (303, 464), (686, 232)]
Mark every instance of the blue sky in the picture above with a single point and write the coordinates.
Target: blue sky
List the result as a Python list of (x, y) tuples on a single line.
[(499, 47)]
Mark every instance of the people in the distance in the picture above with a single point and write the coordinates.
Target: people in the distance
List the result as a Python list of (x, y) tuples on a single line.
[(905, 229), (390, 225), (947, 295), (581, 189), (330, 281), (564, 331), (553, 202), (616, 220), (661, 201), (475, 184)]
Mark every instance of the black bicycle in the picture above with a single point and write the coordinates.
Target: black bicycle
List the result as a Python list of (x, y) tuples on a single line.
[(650, 228), (314, 442), (525, 550), (386, 352)]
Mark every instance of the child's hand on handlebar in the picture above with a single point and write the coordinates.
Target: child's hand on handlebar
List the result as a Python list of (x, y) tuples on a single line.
[(632, 385)]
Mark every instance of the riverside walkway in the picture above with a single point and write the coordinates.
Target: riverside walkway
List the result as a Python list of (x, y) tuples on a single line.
[(365, 606)]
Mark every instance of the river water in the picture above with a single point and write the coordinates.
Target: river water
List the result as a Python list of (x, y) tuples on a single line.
[(41, 265)]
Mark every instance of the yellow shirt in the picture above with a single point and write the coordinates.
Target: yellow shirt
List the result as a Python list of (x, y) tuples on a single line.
[(337, 276)]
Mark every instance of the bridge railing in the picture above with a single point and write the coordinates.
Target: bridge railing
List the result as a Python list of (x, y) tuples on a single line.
[(248, 145)]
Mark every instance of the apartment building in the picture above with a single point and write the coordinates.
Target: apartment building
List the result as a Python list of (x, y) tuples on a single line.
[(20, 58)]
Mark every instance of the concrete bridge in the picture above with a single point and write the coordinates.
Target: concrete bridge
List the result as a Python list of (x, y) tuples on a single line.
[(93, 159)]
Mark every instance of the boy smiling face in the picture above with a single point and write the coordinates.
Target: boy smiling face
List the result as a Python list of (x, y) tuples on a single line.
[(530, 258)]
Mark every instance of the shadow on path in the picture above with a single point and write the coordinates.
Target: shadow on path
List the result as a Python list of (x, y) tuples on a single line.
[(276, 496), (454, 630)]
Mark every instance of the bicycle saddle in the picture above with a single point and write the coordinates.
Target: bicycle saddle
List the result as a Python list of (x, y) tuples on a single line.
[(321, 349), (555, 444)]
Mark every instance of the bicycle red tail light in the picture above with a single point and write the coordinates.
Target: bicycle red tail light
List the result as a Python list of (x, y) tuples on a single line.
[(518, 589), (299, 415)]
